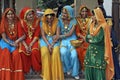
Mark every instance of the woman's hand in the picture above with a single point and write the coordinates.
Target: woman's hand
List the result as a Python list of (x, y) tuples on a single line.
[(50, 48), (27, 49), (30, 47), (117, 49), (13, 44)]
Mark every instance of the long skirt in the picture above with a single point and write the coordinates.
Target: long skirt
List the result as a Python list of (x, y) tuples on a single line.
[(51, 64)]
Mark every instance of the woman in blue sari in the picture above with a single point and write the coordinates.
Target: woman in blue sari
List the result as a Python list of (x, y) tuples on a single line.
[(68, 52)]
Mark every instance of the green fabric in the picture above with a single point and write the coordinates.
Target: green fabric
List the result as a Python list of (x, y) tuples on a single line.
[(94, 61)]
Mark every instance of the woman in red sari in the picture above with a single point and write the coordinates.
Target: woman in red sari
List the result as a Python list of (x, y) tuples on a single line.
[(12, 35), (81, 30), (29, 48)]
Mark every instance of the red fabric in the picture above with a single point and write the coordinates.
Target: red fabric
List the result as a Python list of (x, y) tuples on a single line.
[(26, 60), (4, 25), (36, 60), (5, 65), (17, 66), (33, 59), (82, 49), (20, 29), (23, 12), (9, 61), (4, 20)]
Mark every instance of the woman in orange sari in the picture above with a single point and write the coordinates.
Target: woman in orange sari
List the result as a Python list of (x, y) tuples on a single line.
[(10, 59), (29, 48), (81, 30)]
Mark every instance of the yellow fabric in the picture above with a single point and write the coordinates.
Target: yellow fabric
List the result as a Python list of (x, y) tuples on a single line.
[(108, 46), (46, 65), (45, 26), (51, 64), (57, 71), (48, 11)]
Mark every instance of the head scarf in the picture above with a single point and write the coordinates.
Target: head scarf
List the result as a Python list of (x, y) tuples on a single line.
[(24, 12), (70, 11), (71, 14), (88, 10), (45, 24), (4, 22), (23, 15), (107, 40)]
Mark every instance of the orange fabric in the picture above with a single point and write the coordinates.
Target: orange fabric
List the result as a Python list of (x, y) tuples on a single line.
[(81, 54), (81, 30), (17, 66), (5, 65), (108, 46), (108, 53)]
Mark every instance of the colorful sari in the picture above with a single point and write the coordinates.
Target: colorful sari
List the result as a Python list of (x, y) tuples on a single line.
[(68, 53), (51, 63), (81, 31), (32, 32), (98, 60), (10, 59)]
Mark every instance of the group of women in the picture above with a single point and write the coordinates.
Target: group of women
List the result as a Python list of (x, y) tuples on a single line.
[(45, 45)]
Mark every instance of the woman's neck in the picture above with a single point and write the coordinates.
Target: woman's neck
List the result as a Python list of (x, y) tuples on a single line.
[(10, 22)]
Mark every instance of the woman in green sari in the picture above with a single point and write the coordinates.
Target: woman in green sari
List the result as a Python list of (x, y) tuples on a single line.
[(98, 61)]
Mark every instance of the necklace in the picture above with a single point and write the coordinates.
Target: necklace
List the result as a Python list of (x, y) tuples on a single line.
[(30, 31)]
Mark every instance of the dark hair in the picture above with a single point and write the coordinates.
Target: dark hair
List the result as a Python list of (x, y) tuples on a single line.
[(50, 14), (93, 12)]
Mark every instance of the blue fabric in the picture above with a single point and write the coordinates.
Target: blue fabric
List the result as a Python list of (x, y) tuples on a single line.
[(4, 44), (115, 55), (68, 53), (49, 38)]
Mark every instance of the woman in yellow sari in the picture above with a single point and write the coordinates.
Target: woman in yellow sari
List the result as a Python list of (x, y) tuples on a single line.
[(50, 52)]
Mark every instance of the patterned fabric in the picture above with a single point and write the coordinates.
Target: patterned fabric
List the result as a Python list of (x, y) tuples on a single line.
[(99, 39)]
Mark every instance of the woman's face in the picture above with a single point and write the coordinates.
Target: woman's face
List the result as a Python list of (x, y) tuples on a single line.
[(83, 13), (30, 16), (94, 18), (65, 14), (50, 18), (10, 15)]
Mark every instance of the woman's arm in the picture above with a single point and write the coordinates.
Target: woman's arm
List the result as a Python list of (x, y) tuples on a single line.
[(20, 39), (56, 36), (43, 36), (98, 38), (69, 33), (5, 39)]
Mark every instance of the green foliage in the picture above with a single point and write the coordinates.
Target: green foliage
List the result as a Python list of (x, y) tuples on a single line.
[(53, 3)]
